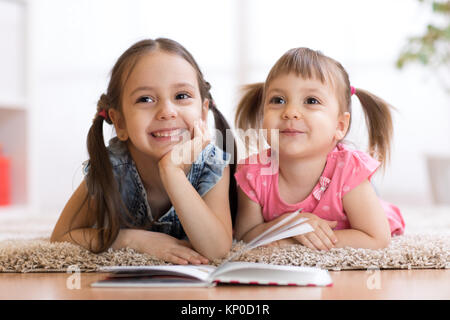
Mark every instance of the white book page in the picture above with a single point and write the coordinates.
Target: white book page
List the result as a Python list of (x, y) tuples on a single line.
[(246, 272), (280, 226), (295, 230), (282, 229), (200, 272)]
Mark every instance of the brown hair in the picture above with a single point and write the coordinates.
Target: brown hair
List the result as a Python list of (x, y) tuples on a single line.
[(309, 64), (103, 189)]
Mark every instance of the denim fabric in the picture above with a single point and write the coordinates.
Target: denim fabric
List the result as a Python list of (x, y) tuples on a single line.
[(205, 172)]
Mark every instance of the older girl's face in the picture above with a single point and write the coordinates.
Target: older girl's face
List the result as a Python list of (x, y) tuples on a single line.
[(161, 102), (306, 114)]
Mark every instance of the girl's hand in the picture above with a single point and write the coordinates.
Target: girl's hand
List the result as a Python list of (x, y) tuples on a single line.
[(164, 247), (186, 152), (282, 242), (323, 237)]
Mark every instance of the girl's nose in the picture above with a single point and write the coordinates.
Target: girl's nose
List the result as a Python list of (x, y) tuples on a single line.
[(166, 111), (291, 112)]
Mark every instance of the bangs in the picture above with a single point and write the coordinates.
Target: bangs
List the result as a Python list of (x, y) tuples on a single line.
[(305, 63)]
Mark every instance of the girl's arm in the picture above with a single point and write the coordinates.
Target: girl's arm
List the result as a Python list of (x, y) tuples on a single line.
[(369, 225), (207, 220), (250, 224), (81, 232), (249, 218)]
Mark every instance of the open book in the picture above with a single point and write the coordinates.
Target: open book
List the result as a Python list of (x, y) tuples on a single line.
[(227, 271)]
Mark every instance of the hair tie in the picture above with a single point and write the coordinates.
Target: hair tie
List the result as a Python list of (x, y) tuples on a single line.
[(352, 90), (102, 113)]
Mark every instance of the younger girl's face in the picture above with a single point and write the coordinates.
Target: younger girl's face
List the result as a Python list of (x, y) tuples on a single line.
[(161, 102), (306, 114)]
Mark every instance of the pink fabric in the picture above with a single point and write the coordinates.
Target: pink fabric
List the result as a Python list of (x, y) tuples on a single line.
[(345, 169)]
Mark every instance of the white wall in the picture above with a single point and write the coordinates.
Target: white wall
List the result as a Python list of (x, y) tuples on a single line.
[(75, 44)]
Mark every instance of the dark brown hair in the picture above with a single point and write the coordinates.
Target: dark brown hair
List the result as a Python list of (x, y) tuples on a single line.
[(308, 64), (104, 198)]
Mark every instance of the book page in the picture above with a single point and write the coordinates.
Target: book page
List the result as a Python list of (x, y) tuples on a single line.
[(294, 229), (200, 272), (263, 274), (287, 227), (278, 229)]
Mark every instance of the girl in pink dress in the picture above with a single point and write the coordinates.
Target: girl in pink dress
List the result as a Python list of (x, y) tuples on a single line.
[(305, 108)]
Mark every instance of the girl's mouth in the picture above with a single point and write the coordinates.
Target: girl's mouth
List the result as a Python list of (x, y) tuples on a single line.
[(291, 132), (169, 134)]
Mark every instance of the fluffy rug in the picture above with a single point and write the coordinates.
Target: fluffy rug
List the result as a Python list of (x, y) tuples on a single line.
[(404, 252), (426, 245)]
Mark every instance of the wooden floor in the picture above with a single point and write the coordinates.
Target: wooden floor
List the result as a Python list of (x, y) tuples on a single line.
[(359, 284)]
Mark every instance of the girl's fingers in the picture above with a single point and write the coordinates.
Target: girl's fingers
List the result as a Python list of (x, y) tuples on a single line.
[(329, 233), (304, 241), (205, 130), (190, 255), (324, 238), (199, 257), (175, 259), (315, 240), (197, 131)]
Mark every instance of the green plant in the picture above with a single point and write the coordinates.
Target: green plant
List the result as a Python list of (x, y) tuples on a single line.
[(432, 49)]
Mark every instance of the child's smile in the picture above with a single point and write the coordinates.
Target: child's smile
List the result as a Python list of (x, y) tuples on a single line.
[(305, 112), (161, 103), (168, 134)]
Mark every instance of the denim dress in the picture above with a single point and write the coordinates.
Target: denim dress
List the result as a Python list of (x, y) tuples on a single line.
[(204, 173)]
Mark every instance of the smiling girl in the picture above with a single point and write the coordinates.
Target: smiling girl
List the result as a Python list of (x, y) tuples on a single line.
[(305, 106), (137, 193)]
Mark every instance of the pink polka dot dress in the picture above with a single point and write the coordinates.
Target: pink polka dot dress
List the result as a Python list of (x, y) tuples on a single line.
[(344, 170)]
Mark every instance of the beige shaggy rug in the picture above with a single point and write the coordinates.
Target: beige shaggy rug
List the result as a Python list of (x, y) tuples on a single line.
[(404, 252), (426, 245)]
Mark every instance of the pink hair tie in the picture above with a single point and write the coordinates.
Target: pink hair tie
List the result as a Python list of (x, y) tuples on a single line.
[(102, 113), (352, 90)]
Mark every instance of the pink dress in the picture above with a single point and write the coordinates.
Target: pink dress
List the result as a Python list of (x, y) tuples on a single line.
[(344, 170)]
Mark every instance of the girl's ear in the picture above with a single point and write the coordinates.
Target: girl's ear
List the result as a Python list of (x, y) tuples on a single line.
[(342, 127), (205, 109), (119, 124)]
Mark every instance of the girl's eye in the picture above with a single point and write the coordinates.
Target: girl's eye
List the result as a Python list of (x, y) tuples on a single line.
[(277, 100), (312, 101), (182, 96), (145, 99)]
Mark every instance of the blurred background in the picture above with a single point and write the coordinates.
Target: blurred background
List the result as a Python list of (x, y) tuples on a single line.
[(56, 55)]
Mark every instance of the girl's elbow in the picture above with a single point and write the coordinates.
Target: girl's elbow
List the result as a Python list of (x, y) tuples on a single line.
[(219, 253), (383, 241)]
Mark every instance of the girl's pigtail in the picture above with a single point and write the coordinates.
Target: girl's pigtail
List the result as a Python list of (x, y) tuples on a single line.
[(103, 191), (248, 112), (379, 123)]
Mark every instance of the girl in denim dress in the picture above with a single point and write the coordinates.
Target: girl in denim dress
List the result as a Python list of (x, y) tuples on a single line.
[(160, 187)]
